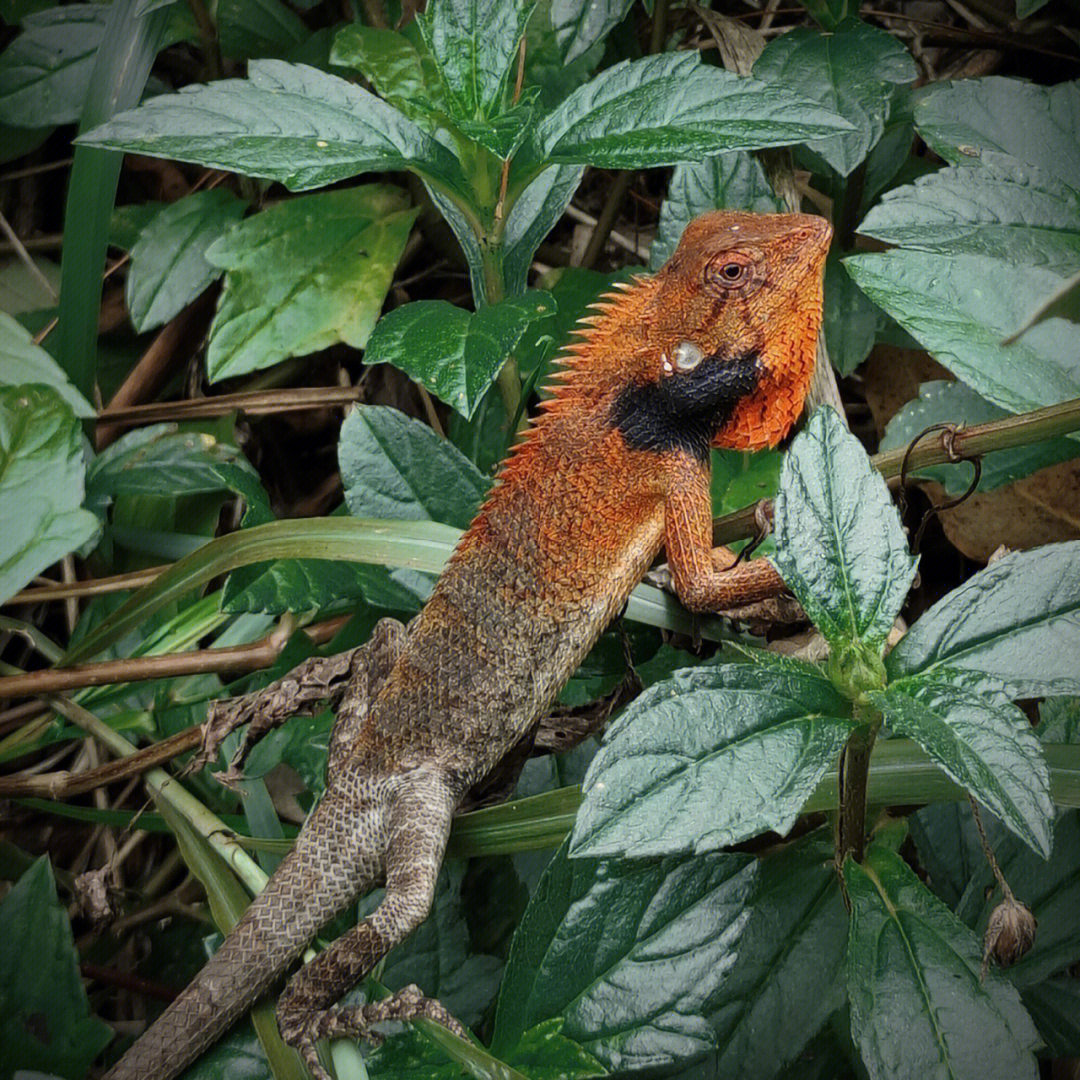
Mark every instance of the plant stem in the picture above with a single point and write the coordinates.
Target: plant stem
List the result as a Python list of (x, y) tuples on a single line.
[(853, 777)]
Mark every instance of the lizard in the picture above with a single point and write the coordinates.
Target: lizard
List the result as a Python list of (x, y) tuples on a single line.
[(716, 349)]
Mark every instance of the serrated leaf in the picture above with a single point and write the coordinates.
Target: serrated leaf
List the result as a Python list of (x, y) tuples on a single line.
[(787, 974), (285, 122), (960, 307), (666, 109), (1005, 209), (396, 467), (761, 734), (840, 548), (986, 746), (581, 24), (918, 1005), (168, 264), (305, 274), (45, 71), (41, 484), (1037, 125), (21, 361), (545, 65), (1014, 625), (162, 460), (956, 403), (595, 935), (456, 354), (1062, 303), (850, 71), (473, 43), (45, 1021), (732, 181), (1059, 720)]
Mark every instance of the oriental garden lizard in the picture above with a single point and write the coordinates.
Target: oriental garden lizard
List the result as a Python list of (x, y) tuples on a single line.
[(716, 349)]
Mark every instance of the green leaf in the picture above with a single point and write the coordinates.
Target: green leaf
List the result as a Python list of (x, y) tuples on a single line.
[(1013, 626), (1062, 303), (986, 746), (285, 122), (473, 43), (45, 71), (732, 181), (849, 319), (454, 353), (594, 938), (21, 361), (162, 460), (1059, 720), (959, 307), (41, 484), (1054, 1005), (21, 291), (305, 274), (581, 24), (670, 108), (918, 1005), (545, 65), (255, 28), (787, 972), (762, 734), (955, 403), (396, 467), (1037, 125), (544, 1053), (840, 548), (45, 1021), (1005, 210), (168, 264), (850, 71), (742, 478)]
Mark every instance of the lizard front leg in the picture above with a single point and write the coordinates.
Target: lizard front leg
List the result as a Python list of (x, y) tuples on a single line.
[(418, 825), (707, 578), (353, 675)]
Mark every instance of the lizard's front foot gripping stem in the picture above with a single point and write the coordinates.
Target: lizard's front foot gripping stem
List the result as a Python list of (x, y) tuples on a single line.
[(356, 1021)]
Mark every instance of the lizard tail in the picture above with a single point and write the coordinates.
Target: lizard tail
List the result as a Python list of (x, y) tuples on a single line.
[(303, 894)]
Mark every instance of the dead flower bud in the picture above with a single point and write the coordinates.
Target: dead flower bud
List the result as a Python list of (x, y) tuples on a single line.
[(1010, 933)]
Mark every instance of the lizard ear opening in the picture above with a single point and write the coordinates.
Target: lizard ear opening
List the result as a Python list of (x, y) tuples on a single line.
[(687, 356)]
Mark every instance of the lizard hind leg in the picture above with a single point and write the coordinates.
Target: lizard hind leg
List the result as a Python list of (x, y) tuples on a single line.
[(417, 828)]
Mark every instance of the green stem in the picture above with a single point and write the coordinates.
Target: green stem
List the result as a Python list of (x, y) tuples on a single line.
[(853, 778)]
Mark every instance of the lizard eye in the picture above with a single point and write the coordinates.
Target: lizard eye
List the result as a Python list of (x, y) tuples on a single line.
[(730, 270), (688, 356)]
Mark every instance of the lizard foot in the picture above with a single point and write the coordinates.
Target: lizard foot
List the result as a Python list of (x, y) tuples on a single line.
[(355, 1021)]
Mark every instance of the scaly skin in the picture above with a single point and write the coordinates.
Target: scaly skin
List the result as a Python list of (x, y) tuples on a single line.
[(716, 349)]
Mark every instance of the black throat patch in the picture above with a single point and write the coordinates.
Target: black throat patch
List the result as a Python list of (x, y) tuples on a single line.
[(686, 409)]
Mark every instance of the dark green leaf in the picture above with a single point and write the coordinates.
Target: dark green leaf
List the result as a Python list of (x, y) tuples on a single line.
[(986, 746), (253, 28), (1055, 1007), (168, 268), (1005, 210), (670, 108), (21, 361), (918, 1005), (41, 484), (850, 71), (849, 319), (1059, 720), (1014, 625), (544, 1053), (45, 71), (956, 403), (840, 548), (1037, 125), (732, 181), (473, 42), (503, 134), (305, 274), (45, 1021), (594, 938), (454, 353), (960, 307), (545, 65), (285, 122), (741, 478), (581, 24), (786, 977), (762, 734)]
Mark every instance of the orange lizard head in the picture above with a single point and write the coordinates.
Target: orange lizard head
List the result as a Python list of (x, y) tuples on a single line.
[(733, 321)]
